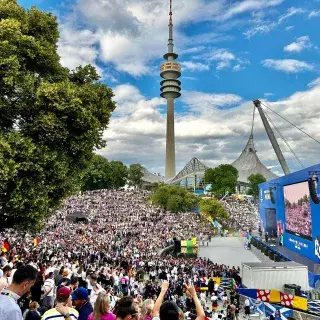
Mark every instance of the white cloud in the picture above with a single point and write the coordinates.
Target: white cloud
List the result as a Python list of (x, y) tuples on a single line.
[(288, 28), (300, 44), (291, 12), (268, 94), (267, 26), (203, 102), (314, 83), (214, 128), (314, 13), (248, 6), (77, 47), (193, 50), (221, 54), (194, 66), (287, 65), (223, 65)]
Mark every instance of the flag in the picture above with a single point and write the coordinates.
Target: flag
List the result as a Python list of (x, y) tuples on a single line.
[(216, 280), (6, 246), (300, 303), (194, 241), (286, 299), (263, 295), (36, 241), (275, 296)]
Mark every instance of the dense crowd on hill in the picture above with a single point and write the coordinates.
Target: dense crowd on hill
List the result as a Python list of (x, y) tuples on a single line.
[(243, 214), (114, 254)]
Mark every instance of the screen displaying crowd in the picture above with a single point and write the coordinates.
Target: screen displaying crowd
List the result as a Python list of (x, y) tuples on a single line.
[(297, 209), (107, 266)]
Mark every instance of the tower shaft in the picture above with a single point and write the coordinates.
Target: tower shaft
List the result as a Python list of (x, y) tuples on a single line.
[(170, 141), (170, 71)]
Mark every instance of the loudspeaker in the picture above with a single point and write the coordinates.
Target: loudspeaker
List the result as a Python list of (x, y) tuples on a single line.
[(295, 288), (312, 182), (289, 291), (272, 198)]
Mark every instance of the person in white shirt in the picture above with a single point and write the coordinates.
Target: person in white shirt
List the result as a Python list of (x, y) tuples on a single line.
[(48, 288), (23, 280), (96, 289), (4, 280), (203, 298)]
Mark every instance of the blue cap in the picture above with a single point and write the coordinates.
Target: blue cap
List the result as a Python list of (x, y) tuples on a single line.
[(80, 294)]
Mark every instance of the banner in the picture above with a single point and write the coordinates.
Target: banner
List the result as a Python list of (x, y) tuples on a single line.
[(189, 243), (189, 250)]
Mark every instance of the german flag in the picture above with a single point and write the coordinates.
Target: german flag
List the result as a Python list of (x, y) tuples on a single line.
[(36, 241), (5, 246)]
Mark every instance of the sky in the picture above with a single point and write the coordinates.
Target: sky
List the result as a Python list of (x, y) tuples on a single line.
[(231, 52)]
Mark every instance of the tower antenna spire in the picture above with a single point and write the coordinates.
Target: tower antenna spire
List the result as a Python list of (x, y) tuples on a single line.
[(170, 14)]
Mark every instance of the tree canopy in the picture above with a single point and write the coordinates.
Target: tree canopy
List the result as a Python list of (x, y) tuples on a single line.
[(214, 209), (223, 179), (174, 198), (103, 174), (51, 118), (135, 175), (255, 180)]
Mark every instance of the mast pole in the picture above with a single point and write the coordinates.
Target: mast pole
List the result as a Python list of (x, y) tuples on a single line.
[(272, 138)]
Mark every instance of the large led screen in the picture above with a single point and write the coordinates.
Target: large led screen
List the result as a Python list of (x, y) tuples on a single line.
[(298, 210)]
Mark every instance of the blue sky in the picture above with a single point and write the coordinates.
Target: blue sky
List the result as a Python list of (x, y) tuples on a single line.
[(231, 52)]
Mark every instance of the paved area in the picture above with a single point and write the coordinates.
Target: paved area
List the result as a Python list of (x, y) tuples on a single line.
[(228, 251)]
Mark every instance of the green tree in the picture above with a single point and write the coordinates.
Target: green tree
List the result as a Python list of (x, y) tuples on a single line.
[(255, 180), (135, 175), (51, 118), (119, 174), (174, 198), (103, 174), (214, 209), (223, 179)]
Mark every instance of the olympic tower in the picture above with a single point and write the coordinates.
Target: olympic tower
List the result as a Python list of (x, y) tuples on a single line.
[(170, 71)]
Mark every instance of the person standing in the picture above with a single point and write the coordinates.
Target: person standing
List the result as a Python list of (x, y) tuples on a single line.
[(23, 279), (4, 281), (247, 310), (96, 289), (48, 288), (81, 303), (62, 310)]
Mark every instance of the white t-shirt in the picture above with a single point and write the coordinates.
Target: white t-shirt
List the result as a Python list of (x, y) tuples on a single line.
[(48, 287), (116, 280), (94, 293)]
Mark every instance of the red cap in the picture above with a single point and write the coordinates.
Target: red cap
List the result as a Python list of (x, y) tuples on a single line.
[(63, 293)]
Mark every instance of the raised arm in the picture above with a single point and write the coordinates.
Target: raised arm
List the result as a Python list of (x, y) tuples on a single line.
[(200, 313), (157, 305)]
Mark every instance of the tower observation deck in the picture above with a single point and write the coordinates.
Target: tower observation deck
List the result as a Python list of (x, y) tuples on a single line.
[(170, 71)]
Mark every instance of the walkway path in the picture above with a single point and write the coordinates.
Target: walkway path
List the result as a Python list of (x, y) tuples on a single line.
[(228, 251)]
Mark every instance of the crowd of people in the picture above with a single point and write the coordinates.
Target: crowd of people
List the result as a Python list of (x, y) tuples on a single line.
[(243, 214), (108, 266), (298, 218)]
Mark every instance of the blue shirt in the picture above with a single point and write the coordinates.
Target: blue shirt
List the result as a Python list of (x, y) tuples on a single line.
[(85, 310)]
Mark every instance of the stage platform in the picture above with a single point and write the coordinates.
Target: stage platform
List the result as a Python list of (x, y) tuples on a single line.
[(287, 254)]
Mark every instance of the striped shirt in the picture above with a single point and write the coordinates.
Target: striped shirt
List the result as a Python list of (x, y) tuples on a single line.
[(53, 314)]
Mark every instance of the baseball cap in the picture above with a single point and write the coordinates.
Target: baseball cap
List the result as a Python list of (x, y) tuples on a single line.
[(63, 293), (80, 294)]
